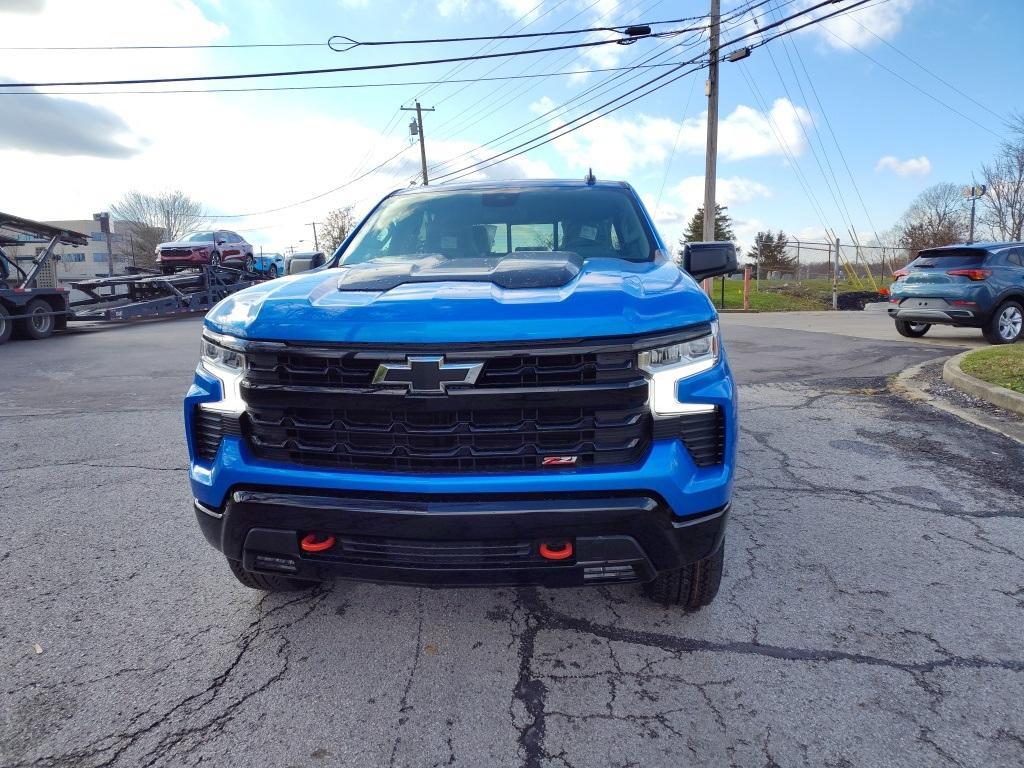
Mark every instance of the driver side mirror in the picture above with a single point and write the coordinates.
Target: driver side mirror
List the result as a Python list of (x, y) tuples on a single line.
[(704, 260), (221, 242)]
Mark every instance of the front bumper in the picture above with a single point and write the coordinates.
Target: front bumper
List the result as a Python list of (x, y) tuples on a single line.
[(459, 540)]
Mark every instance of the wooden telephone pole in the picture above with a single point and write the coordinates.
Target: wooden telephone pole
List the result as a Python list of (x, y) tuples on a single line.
[(416, 129)]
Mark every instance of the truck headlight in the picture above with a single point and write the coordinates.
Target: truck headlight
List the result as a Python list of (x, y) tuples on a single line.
[(666, 366), (219, 358)]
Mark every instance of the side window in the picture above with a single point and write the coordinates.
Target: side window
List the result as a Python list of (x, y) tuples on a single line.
[(1016, 257), (233, 237)]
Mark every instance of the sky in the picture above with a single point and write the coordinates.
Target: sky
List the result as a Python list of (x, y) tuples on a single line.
[(836, 126)]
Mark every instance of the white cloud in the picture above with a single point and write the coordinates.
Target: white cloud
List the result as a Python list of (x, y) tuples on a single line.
[(615, 146), (913, 166), (681, 201), (354, 3), (883, 19)]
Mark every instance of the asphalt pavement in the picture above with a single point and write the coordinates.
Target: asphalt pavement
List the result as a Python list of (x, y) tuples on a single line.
[(870, 613)]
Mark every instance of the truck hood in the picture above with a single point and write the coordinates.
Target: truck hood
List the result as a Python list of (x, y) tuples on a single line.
[(603, 297)]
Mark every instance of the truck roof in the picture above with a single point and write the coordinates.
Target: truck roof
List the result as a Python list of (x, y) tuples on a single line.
[(511, 184)]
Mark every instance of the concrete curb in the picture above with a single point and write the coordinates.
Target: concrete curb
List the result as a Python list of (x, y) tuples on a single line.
[(1002, 397), (904, 385)]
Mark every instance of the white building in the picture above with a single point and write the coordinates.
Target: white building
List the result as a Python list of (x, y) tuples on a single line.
[(76, 263)]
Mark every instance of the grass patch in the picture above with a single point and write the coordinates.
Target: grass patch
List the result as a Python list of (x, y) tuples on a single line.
[(1002, 365), (779, 296)]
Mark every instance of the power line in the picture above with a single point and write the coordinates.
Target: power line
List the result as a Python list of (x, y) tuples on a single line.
[(916, 87), (347, 43), (601, 87), (323, 87), (919, 65), (558, 132), (327, 70)]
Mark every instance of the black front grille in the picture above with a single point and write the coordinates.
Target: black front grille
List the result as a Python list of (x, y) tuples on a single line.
[(489, 438), (531, 408), (403, 553), (703, 434), (176, 253), (348, 368), (209, 428)]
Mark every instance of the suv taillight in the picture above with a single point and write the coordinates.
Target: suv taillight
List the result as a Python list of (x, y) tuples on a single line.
[(971, 274)]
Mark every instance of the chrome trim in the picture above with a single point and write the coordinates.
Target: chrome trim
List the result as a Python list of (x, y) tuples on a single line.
[(206, 510)]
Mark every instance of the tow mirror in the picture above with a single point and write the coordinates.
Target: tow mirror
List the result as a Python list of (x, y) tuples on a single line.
[(704, 260)]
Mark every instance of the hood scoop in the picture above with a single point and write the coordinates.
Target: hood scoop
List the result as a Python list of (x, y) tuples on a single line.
[(525, 269)]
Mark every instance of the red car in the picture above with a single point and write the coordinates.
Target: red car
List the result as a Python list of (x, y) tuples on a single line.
[(202, 248)]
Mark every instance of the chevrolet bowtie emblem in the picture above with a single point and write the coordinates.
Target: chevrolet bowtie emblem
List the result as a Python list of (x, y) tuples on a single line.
[(427, 373)]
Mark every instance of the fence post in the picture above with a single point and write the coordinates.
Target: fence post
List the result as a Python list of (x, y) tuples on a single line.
[(835, 279), (746, 289)]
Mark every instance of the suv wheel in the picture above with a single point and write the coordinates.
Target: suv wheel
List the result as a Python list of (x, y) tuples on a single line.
[(266, 582), (1006, 323), (215, 259), (272, 271), (250, 263), (691, 587), (39, 323), (911, 330), (6, 325)]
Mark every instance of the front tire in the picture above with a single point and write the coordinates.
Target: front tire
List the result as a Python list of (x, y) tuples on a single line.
[(1006, 324), (6, 325), (266, 582), (39, 323), (691, 587), (250, 263), (272, 271), (215, 259), (912, 330)]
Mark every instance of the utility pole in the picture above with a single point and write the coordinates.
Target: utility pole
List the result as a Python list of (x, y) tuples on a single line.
[(416, 129), (316, 242), (711, 158), (835, 279)]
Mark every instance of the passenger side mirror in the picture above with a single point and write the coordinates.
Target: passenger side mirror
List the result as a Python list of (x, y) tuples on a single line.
[(704, 260)]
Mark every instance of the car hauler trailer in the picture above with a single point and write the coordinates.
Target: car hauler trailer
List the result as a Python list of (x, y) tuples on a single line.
[(33, 310), (36, 311)]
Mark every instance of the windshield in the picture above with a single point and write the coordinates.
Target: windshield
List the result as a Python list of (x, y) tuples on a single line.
[(592, 222), (200, 237)]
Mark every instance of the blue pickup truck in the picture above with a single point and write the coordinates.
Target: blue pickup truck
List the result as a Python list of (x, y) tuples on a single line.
[(488, 383)]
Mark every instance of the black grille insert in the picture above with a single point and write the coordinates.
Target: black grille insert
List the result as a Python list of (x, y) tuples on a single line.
[(324, 368), (209, 428), (703, 434), (403, 553), (472, 439)]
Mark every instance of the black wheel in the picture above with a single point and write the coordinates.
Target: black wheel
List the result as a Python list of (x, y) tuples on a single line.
[(6, 325), (266, 582), (1006, 323), (250, 263), (215, 259), (272, 271), (691, 587), (39, 323), (912, 330)]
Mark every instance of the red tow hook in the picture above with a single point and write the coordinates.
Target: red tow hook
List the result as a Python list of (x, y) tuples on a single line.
[(310, 543), (556, 550)]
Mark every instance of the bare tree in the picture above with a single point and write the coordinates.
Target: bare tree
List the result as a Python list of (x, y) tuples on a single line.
[(1004, 181), (336, 228), (936, 217), (148, 220)]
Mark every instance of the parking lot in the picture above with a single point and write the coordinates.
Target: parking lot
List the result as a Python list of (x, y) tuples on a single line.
[(871, 613)]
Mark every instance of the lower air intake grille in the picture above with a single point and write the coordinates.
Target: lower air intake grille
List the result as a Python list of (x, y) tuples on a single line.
[(209, 428), (371, 550), (703, 434)]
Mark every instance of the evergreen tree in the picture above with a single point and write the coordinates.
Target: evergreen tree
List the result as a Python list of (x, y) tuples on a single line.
[(723, 226)]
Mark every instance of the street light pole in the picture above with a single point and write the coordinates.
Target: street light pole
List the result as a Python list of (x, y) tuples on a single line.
[(973, 193), (316, 242)]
